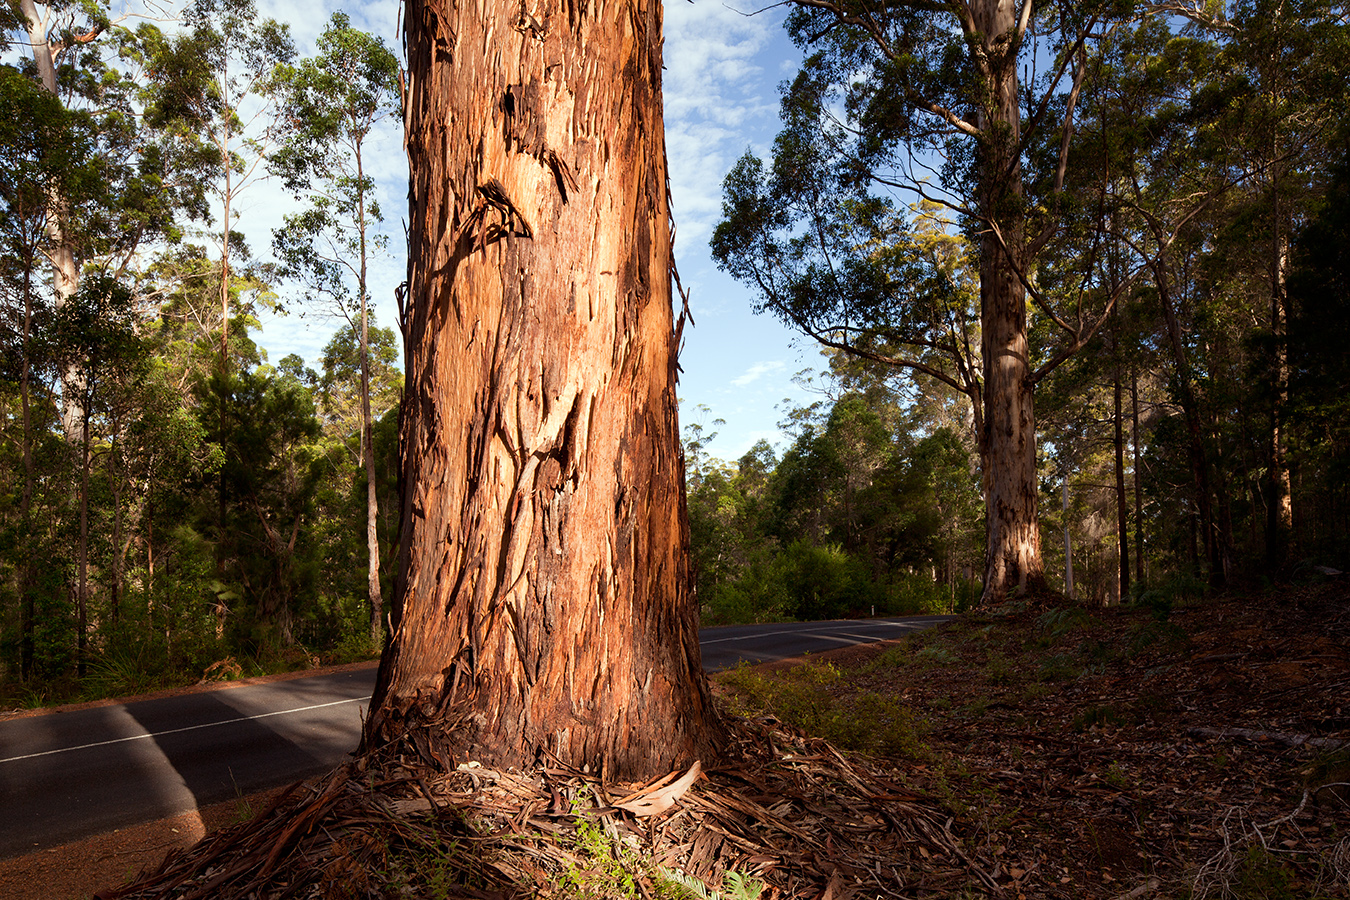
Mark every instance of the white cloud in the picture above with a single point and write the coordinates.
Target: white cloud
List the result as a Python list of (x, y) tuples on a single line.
[(757, 371), (720, 95)]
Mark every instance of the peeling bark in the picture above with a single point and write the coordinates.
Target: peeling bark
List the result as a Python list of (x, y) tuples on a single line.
[(543, 606), (1013, 553)]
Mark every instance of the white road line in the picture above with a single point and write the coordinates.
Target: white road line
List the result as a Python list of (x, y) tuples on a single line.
[(764, 634), (843, 638), (141, 737)]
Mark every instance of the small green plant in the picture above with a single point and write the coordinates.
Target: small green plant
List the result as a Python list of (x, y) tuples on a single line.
[(438, 865), (1156, 634), (1117, 777), (999, 669), (1059, 667), (1036, 691), (893, 658), (1055, 623), (800, 696), (1263, 876), (1096, 717), (936, 654), (124, 670), (1329, 773), (612, 867), (978, 706), (672, 884)]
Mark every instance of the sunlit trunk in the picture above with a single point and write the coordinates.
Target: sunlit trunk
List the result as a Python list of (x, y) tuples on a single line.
[(1122, 499), (1013, 554), (544, 605)]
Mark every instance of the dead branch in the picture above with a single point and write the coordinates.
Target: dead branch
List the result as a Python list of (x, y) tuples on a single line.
[(1258, 736)]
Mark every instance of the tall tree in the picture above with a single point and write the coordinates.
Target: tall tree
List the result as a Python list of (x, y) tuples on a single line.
[(53, 33), (1283, 71), (917, 81), (544, 605), (97, 341), (93, 66), (45, 154), (331, 103), (216, 92)]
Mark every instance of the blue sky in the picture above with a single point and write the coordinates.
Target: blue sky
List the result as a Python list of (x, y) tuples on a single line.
[(723, 68)]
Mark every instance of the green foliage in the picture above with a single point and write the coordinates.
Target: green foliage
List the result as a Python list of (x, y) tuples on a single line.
[(1060, 667), (218, 515), (329, 106), (1262, 875), (339, 386), (858, 517), (126, 669), (1054, 624), (612, 867), (1096, 717), (672, 884)]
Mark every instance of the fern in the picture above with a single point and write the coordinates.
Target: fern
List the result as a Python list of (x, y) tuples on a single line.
[(673, 884)]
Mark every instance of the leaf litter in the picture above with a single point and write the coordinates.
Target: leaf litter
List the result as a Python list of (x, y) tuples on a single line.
[(1119, 754)]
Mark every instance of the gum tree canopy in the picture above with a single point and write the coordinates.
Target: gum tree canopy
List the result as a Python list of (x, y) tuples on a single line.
[(543, 606)]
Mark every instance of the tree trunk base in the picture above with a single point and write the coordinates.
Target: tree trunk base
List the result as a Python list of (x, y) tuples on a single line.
[(776, 812)]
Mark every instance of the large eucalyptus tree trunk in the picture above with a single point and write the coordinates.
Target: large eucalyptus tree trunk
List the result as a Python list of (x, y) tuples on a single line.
[(543, 606), (1008, 445)]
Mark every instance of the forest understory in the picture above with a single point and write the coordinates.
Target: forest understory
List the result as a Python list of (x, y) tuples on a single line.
[(1190, 751)]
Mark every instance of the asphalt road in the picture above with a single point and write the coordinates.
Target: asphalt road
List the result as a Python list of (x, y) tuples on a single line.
[(729, 645), (68, 775)]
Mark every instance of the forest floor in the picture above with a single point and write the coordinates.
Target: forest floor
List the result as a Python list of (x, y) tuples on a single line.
[(1201, 751), (1197, 751)]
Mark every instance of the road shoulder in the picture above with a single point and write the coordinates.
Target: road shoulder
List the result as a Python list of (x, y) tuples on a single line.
[(76, 870)]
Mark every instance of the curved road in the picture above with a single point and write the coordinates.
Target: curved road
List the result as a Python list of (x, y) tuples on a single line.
[(67, 775)]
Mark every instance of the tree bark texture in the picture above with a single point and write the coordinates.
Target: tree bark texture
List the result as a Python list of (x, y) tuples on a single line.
[(1122, 499), (1013, 553), (373, 593), (1138, 468), (543, 606), (1279, 509), (60, 250)]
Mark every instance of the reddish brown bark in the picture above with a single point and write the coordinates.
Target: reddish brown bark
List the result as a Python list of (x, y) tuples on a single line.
[(1013, 552), (544, 605)]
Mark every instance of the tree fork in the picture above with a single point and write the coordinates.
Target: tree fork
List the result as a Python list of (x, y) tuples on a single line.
[(543, 606)]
